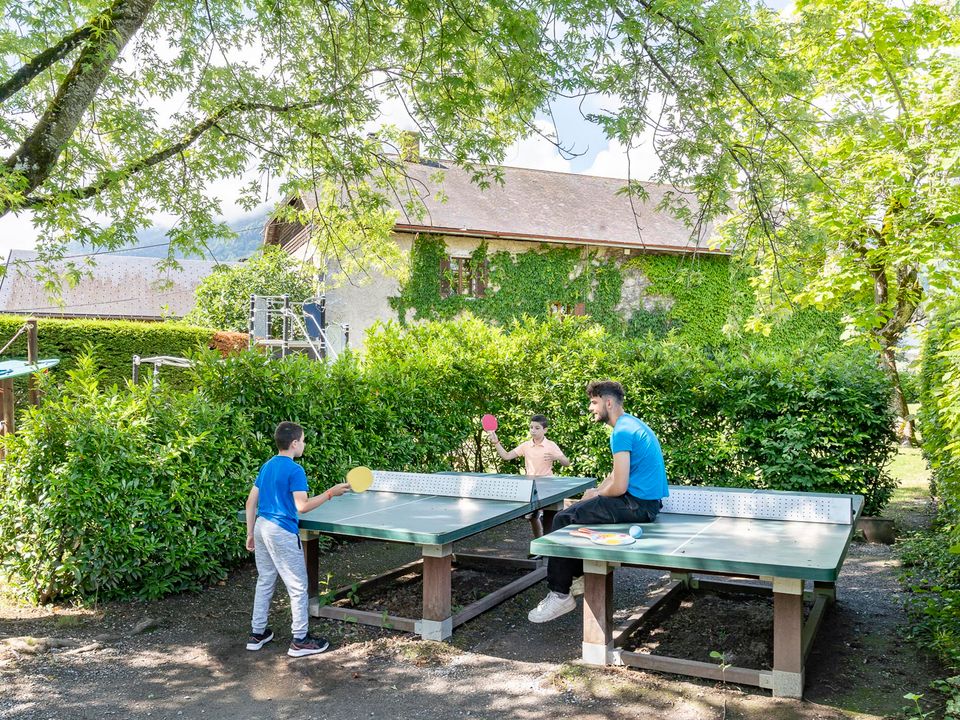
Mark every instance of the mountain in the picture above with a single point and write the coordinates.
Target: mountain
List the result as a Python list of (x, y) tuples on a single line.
[(152, 241)]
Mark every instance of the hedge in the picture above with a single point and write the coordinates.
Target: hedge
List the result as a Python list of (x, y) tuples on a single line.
[(932, 559), (114, 342), (120, 468)]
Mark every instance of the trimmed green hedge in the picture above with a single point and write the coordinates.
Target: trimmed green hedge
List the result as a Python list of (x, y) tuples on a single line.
[(932, 559), (114, 342), (120, 469)]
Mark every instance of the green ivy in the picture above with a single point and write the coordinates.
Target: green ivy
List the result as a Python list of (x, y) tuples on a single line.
[(702, 300), (527, 284), (707, 300)]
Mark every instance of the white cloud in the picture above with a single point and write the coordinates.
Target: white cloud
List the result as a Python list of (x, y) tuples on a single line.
[(537, 152), (16, 233), (639, 163)]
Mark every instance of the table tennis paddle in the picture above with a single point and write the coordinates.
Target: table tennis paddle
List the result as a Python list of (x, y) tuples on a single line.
[(489, 422), (600, 537), (360, 479)]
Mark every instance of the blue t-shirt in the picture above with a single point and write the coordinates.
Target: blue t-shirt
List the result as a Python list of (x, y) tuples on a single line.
[(648, 477), (279, 478)]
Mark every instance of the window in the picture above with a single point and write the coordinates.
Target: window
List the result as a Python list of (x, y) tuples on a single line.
[(458, 276), (559, 308)]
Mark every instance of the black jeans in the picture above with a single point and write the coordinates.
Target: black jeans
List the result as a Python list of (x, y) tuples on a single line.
[(597, 510)]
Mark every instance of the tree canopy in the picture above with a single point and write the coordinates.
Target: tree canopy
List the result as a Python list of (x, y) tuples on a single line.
[(113, 111), (223, 297)]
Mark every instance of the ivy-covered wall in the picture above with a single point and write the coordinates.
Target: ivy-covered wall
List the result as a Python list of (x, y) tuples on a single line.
[(704, 300)]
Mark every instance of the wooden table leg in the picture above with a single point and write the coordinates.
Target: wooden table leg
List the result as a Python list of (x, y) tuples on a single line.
[(311, 556), (597, 611), (787, 637), (437, 622)]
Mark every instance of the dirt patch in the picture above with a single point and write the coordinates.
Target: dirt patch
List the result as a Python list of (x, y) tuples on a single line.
[(737, 626), (188, 661)]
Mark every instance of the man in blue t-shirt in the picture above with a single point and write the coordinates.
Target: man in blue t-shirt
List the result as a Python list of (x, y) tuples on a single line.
[(630, 494), (279, 493)]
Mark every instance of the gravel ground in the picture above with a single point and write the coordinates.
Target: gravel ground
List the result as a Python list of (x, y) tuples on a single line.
[(184, 656)]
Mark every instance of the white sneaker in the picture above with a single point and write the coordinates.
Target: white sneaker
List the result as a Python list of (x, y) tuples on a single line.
[(576, 587), (551, 607)]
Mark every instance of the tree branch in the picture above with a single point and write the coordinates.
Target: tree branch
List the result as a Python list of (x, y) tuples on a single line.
[(113, 176), (37, 156), (25, 75)]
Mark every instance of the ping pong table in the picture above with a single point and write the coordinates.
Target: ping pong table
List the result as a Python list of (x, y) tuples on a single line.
[(785, 539), (432, 511)]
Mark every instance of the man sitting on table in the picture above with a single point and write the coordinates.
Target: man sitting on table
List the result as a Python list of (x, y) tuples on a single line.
[(632, 493)]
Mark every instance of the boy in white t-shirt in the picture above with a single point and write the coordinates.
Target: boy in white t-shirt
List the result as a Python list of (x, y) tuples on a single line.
[(539, 454)]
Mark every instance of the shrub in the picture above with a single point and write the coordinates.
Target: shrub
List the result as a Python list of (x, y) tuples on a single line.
[(99, 484), (814, 423), (932, 559), (108, 494)]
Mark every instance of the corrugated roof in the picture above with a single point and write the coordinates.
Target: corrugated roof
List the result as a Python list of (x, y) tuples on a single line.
[(546, 206), (120, 287)]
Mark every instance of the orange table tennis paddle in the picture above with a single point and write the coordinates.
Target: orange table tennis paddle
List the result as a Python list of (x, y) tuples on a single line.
[(360, 479)]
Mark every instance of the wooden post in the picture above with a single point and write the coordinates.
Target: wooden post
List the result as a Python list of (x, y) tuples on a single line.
[(32, 358), (437, 622), (311, 555), (8, 407), (787, 638), (597, 612)]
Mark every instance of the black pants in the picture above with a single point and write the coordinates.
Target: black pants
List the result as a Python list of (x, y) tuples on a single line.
[(597, 510)]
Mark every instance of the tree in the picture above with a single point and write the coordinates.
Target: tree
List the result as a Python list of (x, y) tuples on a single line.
[(113, 110), (870, 221), (223, 298), (828, 139)]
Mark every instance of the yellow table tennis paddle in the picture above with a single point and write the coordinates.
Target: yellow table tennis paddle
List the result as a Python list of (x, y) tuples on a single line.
[(360, 479)]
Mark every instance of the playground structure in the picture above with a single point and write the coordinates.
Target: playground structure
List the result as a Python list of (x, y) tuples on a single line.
[(158, 361), (288, 327)]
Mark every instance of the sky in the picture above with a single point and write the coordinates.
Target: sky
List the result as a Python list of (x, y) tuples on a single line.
[(592, 154)]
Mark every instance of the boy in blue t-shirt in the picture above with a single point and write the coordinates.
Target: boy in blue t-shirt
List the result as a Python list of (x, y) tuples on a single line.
[(630, 494), (279, 493)]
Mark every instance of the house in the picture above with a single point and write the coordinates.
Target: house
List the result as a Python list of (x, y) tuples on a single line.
[(474, 233), (116, 287)]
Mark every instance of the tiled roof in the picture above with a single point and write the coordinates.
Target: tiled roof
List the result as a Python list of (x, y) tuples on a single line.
[(545, 206), (120, 287)]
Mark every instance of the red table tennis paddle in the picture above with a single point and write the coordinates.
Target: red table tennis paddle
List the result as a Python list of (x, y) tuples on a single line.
[(489, 422)]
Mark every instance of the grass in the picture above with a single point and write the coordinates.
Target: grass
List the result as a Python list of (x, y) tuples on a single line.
[(912, 494)]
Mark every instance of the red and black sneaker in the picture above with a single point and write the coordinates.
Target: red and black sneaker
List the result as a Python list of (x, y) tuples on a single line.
[(307, 645), (258, 640)]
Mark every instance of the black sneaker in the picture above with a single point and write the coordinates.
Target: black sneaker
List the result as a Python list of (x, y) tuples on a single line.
[(258, 640), (308, 645)]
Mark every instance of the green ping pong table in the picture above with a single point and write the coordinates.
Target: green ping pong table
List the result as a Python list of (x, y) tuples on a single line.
[(784, 539), (9, 370), (432, 511)]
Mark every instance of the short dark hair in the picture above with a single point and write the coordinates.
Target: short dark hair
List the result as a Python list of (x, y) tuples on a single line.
[(605, 388), (542, 419), (286, 433)]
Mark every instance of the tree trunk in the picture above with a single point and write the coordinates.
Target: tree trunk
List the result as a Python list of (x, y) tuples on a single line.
[(899, 402), (37, 156)]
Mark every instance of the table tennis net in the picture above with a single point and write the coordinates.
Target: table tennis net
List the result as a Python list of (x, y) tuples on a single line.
[(479, 487), (759, 504)]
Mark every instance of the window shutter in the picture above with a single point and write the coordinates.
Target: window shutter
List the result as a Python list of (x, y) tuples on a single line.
[(481, 289), (445, 277)]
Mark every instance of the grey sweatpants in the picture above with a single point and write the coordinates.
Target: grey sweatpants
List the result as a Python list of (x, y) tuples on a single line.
[(278, 552)]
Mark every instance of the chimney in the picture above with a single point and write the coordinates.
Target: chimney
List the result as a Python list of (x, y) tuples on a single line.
[(410, 146)]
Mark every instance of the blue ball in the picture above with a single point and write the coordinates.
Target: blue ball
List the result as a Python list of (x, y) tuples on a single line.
[(635, 531)]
